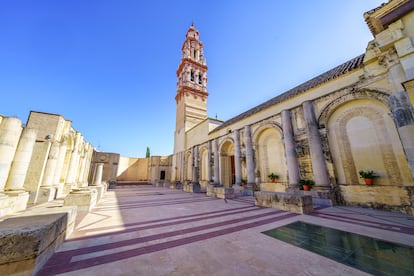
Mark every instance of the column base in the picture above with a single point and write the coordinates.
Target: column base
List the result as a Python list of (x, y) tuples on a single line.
[(4, 205), (324, 196), (18, 200), (83, 185), (85, 200), (67, 188), (59, 190), (293, 188), (100, 190), (193, 187), (46, 194)]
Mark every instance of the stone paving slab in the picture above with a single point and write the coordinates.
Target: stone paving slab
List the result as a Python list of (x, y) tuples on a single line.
[(142, 230)]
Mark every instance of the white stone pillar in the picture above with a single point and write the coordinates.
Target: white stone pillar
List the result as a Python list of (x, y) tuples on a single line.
[(89, 163), (320, 172), (216, 162), (50, 170), (21, 160), (82, 161), (10, 130), (237, 157), (290, 151), (249, 155), (73, 164), (209, 172), (98, 174), (60, 162)]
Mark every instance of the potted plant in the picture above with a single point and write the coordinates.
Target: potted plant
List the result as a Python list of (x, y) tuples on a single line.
[(273, 177), (243, 182), (306, 184), (368, 176)]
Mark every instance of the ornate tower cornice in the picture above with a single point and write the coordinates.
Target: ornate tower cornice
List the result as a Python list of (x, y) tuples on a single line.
[(192, 71)]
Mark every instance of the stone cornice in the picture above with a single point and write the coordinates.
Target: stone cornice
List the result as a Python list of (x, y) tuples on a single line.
[(379, 18), (192, 62)]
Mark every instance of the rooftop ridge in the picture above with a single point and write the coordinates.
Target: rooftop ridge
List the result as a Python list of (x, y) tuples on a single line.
[(318, 80)]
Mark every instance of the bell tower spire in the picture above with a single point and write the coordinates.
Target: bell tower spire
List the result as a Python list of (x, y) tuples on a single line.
[(191, 97)]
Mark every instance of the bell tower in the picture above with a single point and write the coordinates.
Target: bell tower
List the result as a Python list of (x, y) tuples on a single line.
[(191, 97)]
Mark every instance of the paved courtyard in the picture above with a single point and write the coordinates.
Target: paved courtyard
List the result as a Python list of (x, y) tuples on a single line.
[(143, 230)]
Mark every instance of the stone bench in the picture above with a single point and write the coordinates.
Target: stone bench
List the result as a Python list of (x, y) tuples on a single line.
[(291, 202), (27, 240)]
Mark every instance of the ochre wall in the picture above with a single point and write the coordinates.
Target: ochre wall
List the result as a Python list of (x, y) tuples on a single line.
[(132, 169)]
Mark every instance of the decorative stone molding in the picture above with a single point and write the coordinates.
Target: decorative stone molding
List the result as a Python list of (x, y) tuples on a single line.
[(353, 95)]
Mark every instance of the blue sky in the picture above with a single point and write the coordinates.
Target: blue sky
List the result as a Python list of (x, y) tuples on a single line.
[(110, 66)]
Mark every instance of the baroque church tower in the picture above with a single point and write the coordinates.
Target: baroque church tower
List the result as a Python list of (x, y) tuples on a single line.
[(191, 97)]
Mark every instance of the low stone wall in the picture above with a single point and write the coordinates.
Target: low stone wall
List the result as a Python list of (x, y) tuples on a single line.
[(295, 203), (220, 192), (381, 197), (29, 239), (192, 187)]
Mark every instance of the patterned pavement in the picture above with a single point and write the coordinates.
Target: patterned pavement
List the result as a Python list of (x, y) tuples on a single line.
[(143, 230)]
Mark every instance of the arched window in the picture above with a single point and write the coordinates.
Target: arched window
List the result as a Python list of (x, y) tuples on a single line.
[(200, 79), (192, 75)]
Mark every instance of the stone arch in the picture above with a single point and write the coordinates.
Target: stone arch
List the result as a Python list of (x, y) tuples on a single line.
[(270, 152), (362, 136), (204, 164), (188, 163), (227, 169), (353, 95)]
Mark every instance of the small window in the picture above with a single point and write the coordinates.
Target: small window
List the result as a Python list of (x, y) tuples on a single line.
[(192, 75), (200, 79)]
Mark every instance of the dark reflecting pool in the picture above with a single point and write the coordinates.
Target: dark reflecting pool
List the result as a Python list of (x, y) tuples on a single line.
[(364, 253)]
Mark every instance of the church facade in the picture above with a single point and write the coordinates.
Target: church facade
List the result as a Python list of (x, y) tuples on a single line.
[(355, 117)]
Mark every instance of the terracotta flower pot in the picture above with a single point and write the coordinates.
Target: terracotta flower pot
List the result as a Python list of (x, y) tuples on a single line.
[(369, 181), (306, 187)]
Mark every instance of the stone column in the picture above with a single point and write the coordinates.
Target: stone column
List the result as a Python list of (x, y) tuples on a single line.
[(73, 164), (249, 155), (183, 167), (10, 130), (196, 164), (320, 172), (237, 157), (60, 162), (216, 162), (82, 161), (98, 174), (209, 172), (402, 111), (174, 168), (47, 192), (51, 164), (290, 149), (21, 160)]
